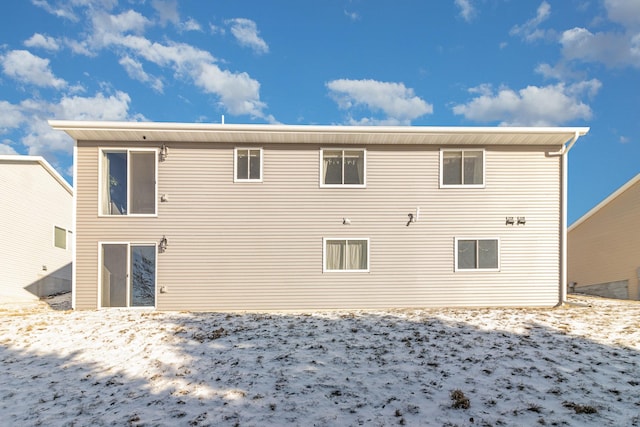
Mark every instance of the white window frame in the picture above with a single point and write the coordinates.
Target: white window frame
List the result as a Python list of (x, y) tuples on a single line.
[(477, 269), (128, 150), (235, 164), (66, 238), (462, 185), (364, 168), (346, 239), (128, 294)]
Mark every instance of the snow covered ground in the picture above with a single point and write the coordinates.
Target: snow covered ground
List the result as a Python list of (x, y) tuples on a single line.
[(568, 366)]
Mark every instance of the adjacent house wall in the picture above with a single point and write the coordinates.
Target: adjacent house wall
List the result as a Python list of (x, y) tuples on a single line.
[(604, 249), (258, 246), (33, 201)]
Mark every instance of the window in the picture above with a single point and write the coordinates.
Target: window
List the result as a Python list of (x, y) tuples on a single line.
[(342, 168), (477, 254), (128, 275), (128, 185), (346, 255), (462, 168), (59, 237), (248, 165)]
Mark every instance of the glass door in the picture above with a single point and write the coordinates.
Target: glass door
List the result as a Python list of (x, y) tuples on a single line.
[(128, 275)]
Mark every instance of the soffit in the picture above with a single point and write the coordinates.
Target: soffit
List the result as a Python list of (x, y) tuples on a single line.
[(345, 135)]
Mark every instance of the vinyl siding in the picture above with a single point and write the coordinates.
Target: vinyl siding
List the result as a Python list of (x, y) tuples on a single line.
[(258, 246), (605, 247), (33, 202)]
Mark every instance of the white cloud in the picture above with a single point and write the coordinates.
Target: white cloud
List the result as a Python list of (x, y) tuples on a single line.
[(214, 29), (238, 92), (42, 41), (611, 49), (25, 67), (246, 32), (467, 11), (135, 70), (620, 48), (10, 116), (98, 107), (66, 8), (532, 106), (398, 103), (354, 16), (7, 149), (40, 139), (529, 31), (108, 28), (190, 25), (167, 11), (62, 11), (625, 12)]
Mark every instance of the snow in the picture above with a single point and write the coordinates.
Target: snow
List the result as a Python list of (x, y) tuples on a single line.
[(577, 365)]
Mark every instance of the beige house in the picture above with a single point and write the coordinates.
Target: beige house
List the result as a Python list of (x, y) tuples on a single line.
[(36, 218), (181, 216), (604, 258)]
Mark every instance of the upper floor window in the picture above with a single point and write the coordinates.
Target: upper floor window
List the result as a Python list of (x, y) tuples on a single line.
[(477, 254), (462, 168), (128, 182), (59, 237), (248, 165), (342, 168)]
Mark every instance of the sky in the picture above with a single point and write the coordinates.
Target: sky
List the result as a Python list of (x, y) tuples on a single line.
[(332, 62)]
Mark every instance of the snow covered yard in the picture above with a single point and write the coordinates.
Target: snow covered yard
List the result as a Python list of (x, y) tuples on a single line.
[(572, 366)]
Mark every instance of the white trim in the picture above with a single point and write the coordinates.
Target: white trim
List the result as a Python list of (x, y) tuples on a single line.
[(343, 149), (324, 254), (455, 253), (235, 164), (74, 201), (101, 151), (128, 284), (462, 150), (74, 126)]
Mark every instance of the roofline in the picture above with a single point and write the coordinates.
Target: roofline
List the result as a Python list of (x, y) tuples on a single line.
[(606, 201), (43, 162), (265, 128)]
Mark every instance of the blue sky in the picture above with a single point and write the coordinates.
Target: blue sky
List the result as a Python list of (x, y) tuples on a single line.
[(364, 62)]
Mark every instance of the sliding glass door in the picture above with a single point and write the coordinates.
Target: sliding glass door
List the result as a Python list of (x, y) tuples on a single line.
[(128, 275)]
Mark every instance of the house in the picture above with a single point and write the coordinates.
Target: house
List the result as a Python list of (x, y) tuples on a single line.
[(36, 218), (604, 257), (181, 216)]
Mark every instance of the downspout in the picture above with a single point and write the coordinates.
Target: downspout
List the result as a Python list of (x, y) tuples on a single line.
[(563, 216)]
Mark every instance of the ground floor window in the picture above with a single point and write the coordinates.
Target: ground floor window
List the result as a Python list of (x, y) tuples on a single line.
[(346, 254), (128, 275), (477, 254)]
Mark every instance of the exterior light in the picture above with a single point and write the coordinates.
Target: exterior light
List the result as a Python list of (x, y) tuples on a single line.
[(163, 244)]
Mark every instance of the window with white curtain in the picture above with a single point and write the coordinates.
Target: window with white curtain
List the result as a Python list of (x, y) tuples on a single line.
[(342, 168), (346, 254), (477, 254), (462, 168), (248, 165), (128, 182)]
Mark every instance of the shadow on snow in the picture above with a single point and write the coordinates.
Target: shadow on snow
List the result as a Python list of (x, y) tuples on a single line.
[(359, 368)]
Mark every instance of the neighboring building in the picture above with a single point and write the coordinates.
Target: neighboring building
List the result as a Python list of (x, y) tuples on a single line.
[(36, 217), (181, 216), (604, 251)]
